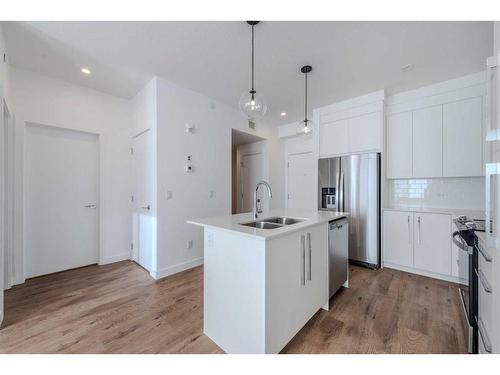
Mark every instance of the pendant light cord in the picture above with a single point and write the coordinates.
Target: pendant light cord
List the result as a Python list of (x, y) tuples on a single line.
[(305, 109), (252, 61)]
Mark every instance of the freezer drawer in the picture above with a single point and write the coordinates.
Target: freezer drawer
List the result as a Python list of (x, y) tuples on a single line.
[(338, 254)]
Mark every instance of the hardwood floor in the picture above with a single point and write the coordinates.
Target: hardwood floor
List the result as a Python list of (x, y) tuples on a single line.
[(118, 308)]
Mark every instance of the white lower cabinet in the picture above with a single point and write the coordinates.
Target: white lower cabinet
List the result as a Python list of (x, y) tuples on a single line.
[(418, 241), (432, 245), (297, 274), (398, 238)]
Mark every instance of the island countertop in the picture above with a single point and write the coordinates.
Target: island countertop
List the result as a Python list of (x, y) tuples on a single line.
[(232, 223)]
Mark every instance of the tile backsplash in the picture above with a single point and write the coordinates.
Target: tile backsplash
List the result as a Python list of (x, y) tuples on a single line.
[(464, 192)]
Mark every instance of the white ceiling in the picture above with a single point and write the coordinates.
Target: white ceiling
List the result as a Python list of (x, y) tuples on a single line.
[(348, 58)]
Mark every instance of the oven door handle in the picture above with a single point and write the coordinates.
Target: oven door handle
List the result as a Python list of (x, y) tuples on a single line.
[(487, 257), (461, 243)]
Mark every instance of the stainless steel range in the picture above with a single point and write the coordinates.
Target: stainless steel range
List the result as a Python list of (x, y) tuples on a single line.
[(466, 240)]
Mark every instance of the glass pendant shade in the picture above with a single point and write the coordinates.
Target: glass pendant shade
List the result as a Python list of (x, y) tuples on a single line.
[(305, 127), (252, 106)]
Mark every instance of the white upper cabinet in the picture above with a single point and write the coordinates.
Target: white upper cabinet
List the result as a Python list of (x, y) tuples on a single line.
[(334, 139), (399, 142), (441, 125), (350, 127), (428, 142), (462, 134), (365, 132)]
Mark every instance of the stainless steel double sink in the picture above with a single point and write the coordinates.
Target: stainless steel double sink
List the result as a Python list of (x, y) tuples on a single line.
[(273, 222)]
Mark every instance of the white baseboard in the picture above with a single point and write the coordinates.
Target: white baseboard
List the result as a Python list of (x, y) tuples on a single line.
[(164, 272), (452, 279), (115, 258)]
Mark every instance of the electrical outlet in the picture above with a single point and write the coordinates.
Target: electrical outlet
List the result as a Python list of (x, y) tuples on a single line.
[(189, 158), (189, 244)]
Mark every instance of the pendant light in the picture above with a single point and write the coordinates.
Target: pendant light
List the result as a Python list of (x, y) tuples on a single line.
[(305, 126), (252, 106)]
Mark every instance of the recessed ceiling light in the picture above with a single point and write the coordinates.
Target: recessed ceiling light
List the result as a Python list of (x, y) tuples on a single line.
[(283, 114), (85, 71), (407, 67)]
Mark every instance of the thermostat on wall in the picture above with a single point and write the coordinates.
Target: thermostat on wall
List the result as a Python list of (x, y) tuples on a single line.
[(188, 169)]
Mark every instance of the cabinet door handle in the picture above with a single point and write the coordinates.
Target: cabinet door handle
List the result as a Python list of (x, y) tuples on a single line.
[(419, 234), (409, 233), (486, 284), (303, 260), (309, 253)]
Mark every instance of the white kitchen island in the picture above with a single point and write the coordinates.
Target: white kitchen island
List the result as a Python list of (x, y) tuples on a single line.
[(261, 286)]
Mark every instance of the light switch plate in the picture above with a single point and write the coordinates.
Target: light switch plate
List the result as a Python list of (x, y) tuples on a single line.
[(169, 194), (211, 194)]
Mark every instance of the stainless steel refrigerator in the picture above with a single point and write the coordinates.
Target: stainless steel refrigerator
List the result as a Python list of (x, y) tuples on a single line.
[(352, 184)]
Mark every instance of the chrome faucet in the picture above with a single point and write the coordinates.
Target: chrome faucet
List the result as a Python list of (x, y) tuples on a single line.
[(256, 209)]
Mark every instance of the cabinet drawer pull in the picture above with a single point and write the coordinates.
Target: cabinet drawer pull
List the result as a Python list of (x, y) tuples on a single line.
[(303, 260), (309, 256), (484, 335), (486, 284), (419, 234), (409, 234), (487, 257)]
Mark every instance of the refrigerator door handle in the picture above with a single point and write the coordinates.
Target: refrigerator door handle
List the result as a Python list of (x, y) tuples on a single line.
[(340, 208), (337, 191)]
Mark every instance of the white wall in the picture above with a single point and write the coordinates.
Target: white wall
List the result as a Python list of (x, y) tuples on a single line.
[(210, 146), (496, 37), (48, 101), (4, 71)]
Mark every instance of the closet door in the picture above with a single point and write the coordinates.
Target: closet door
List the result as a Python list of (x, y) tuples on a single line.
[(428, 142)]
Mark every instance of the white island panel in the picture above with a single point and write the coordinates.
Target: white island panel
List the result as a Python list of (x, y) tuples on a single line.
[(234, 291)]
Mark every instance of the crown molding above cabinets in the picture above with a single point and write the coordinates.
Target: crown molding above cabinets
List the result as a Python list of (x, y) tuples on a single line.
[(438, 130)]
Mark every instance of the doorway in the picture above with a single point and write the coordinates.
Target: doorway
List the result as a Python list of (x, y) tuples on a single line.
[(61, 184), (248, 168), (143, 216)]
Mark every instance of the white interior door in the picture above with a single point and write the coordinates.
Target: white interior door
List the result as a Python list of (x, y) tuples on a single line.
[(251, 174), (144, 224), (61, 199), (300, 181)]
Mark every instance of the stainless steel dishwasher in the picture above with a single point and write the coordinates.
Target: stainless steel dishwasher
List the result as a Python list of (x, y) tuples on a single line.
[(338, 253)]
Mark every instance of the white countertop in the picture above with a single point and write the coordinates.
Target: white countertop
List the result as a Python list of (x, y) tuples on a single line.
[(232, 223), (473, 214)]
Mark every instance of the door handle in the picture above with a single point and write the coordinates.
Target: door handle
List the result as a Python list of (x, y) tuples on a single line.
[(341, 187), (309, 256), (91, 206), (148, 207), (303, 260)]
